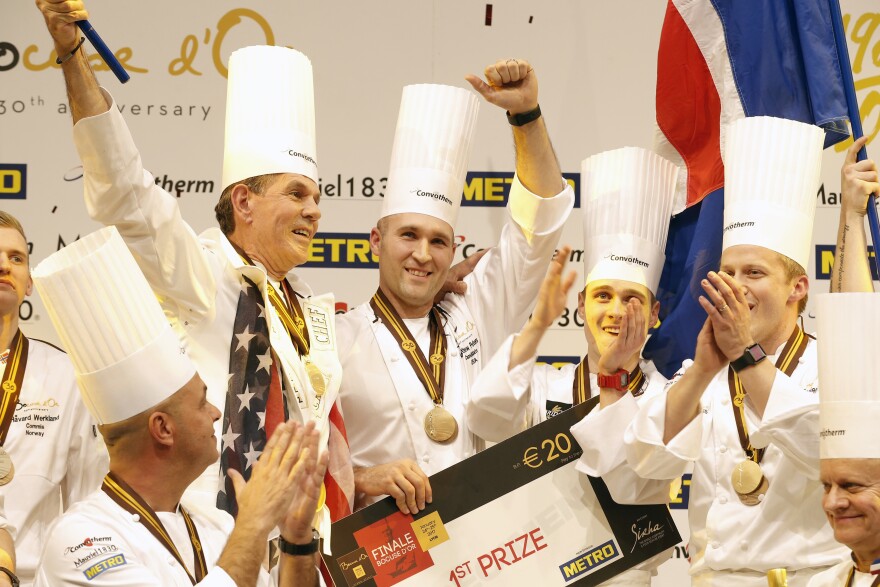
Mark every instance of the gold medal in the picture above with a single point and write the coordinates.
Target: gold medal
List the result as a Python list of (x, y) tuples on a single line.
[(316, 377), (440, 425), (7, 470), (749, 482)]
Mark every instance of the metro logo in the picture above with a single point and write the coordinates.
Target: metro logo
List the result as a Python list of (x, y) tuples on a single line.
[(13, 181), (825, 261), (105, 565), (342, 249), (492, 188), (589, 560)]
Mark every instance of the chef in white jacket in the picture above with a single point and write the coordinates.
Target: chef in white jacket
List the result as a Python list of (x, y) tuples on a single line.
[(404, 402), (627, 199), (740, 412), (229, 289), (152, 410), (849, 439)]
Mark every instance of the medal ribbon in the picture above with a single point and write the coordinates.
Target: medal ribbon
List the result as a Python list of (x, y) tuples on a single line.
[(295, 325), (128, 499), (787, 362), (851, 576), (580, 388), (875, 570), (13, 376), (433, 374)]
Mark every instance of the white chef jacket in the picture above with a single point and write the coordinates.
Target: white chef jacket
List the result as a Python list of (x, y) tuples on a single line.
[(58, 455), (98, 543), (383, 401), (196, 278), (506, 401), (836, 576), (788, 529)]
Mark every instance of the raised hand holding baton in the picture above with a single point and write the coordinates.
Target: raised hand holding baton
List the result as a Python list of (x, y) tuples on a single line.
[(104, 51)]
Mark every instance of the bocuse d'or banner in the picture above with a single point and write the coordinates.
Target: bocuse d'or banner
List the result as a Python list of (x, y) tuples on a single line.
[(595, 62)]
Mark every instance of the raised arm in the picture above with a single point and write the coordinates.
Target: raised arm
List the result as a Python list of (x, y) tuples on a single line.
[(858, 180), (513, 85), (83, 93)]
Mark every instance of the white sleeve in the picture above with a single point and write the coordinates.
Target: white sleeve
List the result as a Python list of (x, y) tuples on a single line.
[(120, 192), (601, 437), (646, 452), (791, 423), (503, 287), (499, 399)]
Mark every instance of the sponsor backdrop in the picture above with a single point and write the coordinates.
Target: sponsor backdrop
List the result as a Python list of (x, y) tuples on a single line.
[(596, 63)]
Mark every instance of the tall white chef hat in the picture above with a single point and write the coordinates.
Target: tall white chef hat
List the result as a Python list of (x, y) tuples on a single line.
[(125, 355), (627, 203), (270, 115), (430, 155), (849, 375), (771, 176)]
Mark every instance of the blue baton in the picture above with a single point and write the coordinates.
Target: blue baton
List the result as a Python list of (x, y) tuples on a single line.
[(104, 51)]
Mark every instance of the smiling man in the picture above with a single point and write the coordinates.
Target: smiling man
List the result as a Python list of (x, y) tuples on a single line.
[(735, 411), (628, 195), (247, 322), (50, 454), (408, 362), (849, 442)]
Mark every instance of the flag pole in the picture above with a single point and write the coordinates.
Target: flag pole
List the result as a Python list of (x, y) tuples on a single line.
[(852, 105)]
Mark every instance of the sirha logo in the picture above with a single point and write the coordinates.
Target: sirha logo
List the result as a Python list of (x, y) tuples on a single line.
[(733, 225), (624, 259), (303, 156), (434, 195)]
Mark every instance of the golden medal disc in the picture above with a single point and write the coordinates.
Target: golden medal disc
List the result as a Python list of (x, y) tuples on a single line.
[(440, 425), (316, 377), (7, 470), (749, 482)]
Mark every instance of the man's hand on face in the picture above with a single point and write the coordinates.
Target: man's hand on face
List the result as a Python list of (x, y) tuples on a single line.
[(729, 312), (630, 339)]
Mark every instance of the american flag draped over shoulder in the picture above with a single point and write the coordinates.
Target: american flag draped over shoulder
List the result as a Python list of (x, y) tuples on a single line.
[(253, 394), (250, 375)]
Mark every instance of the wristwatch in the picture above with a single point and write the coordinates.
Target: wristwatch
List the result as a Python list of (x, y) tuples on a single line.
[(11, 575), (619, 380), (300, 549), (524, 117), (751, 356)]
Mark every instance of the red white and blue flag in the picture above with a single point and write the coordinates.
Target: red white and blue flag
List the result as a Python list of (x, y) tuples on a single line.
[(718, 61)]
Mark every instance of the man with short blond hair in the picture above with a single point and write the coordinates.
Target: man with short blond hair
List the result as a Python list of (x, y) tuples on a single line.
[(740, 412)]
